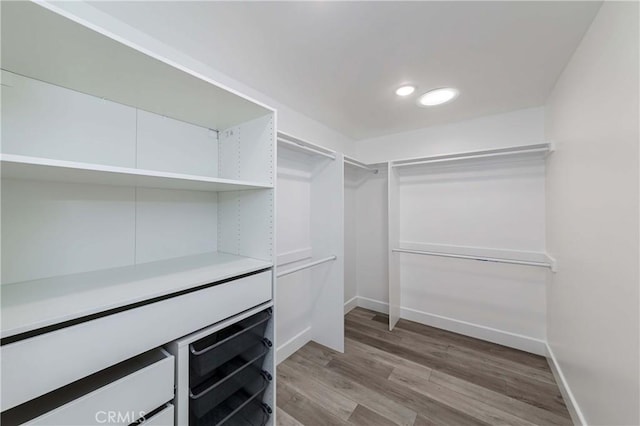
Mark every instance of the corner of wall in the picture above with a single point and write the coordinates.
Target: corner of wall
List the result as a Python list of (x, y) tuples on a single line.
[(572, 405)]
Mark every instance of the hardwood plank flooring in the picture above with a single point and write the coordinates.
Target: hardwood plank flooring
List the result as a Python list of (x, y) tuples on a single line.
[(415, 375)]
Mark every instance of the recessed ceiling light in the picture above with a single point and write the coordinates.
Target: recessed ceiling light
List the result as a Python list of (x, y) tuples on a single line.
[(405, 90), (437, 96)]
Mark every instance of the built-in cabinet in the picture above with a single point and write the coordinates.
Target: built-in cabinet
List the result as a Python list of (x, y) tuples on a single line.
[(137, 208)]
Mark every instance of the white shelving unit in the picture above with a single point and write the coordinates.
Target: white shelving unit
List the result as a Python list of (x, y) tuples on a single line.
[(128, 186), (356, 175), (393, 216), (508, 177), (310, 287)]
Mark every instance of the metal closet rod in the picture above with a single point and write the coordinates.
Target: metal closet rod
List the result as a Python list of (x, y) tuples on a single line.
[(307, 148), (356, 163), (499, 152), (480, 258), (308, 265)]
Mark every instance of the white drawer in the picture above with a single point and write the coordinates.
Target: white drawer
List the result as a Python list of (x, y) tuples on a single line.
[(118, 395), (162, 418), (40, 364)]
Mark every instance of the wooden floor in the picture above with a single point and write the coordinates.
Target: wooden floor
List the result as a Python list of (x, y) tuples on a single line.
[(415, 375)]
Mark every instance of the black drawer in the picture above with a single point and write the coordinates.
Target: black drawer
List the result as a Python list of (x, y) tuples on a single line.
[(238, 412), (213, 351), (205, 412), (253, 357), (255, 413)]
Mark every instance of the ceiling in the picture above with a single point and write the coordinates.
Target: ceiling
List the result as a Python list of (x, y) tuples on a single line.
[(340, 62)]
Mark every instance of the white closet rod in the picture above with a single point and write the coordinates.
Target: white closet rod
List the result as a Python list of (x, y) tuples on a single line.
[(356, 163), (482, 259), (308, 265), (522, 149), (306, 148)]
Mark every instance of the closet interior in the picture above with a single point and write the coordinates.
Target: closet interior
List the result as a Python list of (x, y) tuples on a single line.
[(476, 213), (417, 242)]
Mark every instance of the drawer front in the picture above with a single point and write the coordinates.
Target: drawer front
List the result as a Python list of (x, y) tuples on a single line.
[(163, 418), (35, 366), (121, 402)]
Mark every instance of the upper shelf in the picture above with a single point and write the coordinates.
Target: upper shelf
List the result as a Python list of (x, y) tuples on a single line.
[(540, 149), (359, 164), (31, 305), (34, 168), (44, 45)]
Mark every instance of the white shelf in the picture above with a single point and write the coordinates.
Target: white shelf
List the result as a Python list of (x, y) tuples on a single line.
[(292, 143), (540, 149), (53, 48), (45, 169), (30, 305), (359, 164)]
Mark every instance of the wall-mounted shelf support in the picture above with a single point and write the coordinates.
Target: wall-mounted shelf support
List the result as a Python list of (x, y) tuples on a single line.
[(306, 266)]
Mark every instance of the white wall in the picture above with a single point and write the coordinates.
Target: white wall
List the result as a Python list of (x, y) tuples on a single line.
[(480, 205), (491, 205), (513, 128), (125, 27), (592, 219)]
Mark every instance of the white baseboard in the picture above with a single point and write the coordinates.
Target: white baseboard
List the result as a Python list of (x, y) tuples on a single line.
[(374, 305), (289, 347), (350, 304), (572, 405), (501, 337)]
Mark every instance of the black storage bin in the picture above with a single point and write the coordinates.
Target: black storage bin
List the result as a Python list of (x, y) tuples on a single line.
[(211, 393), (250, 413), (211, 352), (254, 356), (255, 413), (246, 400)]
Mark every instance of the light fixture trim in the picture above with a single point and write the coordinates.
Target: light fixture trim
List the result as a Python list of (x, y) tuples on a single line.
[(438, 96), (405, 90)]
